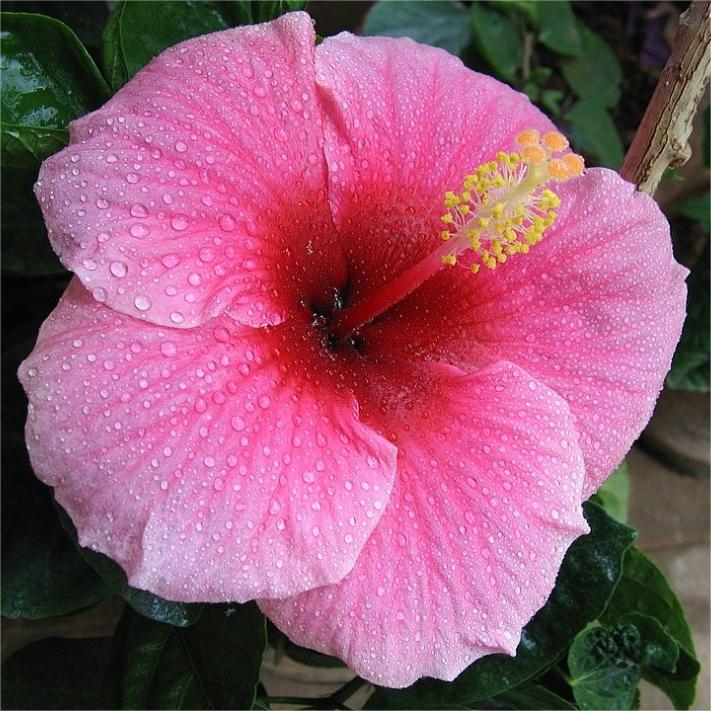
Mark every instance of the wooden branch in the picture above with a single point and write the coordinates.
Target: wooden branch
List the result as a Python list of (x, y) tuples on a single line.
[(662, 138)]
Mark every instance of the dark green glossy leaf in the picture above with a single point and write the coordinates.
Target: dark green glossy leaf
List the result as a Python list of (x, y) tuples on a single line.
[(607, 662), (595, 73), (138, 31), (643, 588), (498, 40), (527, 696), (48, 79), (550, 100), (589, 573), (265, 10), (594, 132), (690, 366), (558, 29), (42, 573), (214, 664), (178, 614), (25, 245), (55, 673), (614, 494), (697, 209), (86, 19), (440, 24)]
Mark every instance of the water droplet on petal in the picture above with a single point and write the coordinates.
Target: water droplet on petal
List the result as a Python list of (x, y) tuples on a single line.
[(142, 303), (118, 269)]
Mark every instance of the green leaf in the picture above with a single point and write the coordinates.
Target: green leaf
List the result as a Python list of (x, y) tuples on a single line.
[(614, 494), (48, 79), (595, 74), (550, 100), (498, 40), (25, 245), (214, 664), (440, 24), (643, 588), (529, 9), (690, 365), (55, 673), (265, 10), (595, 133), (139, 31), (558, 28), (179, 614), (526, 696), (607, 662), (697, 209), (587, 577), (42, 573)]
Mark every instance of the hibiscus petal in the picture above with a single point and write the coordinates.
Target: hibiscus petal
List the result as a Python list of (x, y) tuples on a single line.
[(594, 311), (202, 184), (485, 504), (403, 123), (216, 463)]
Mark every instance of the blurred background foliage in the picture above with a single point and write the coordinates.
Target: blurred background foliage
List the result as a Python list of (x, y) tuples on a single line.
[(592, 67)]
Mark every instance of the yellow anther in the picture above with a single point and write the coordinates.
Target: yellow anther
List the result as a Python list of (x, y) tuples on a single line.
[(530, 137), (575, 164), (558, 170), (505, 205), (533, 155), (555, 141)]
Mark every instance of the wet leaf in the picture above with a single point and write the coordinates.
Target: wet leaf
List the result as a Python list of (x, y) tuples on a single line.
[(586, 580), (55, 673), (139, 31), (440, 24), (643, 588), (214, 664), (607, 662), (48, 79)]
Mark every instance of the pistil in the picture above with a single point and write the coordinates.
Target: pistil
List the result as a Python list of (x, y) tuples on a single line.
[(504, 209)]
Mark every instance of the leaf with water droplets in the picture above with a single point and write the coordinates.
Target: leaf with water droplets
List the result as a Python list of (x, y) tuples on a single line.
[(138, 31), (156, 608), (607, 663), (48, 79), (214, 664)]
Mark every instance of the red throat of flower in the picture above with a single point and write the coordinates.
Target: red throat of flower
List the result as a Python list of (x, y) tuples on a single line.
[(504, 209)]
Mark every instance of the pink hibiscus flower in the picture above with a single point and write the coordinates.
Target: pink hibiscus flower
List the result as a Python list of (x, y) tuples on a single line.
[(239, 397)]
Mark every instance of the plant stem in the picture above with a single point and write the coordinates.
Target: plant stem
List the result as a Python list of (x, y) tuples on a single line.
[(661, 139)]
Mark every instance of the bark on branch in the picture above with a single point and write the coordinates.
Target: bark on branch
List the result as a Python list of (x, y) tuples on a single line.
[(661, 140)]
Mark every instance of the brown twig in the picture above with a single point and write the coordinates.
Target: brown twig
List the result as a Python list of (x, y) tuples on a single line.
[(661, 140)]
